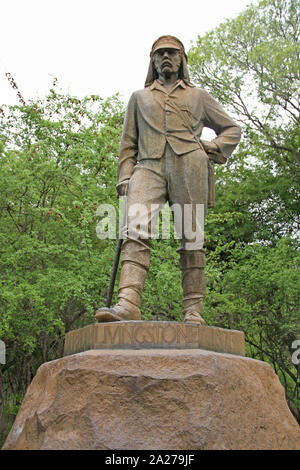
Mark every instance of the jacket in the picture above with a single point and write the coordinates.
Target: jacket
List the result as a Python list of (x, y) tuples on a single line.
[(151, 121)]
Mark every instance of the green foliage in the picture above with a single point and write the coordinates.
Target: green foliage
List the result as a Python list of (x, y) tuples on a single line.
[(58, 163), (258, 291), (251, 64), (162, 297)]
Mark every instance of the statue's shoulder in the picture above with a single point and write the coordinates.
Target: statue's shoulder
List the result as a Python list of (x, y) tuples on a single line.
[(200, 94), (138, 95), (142, 92), (196, 90), (135, 97)]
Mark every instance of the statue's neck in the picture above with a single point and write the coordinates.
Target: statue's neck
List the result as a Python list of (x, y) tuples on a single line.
[(168, 80)]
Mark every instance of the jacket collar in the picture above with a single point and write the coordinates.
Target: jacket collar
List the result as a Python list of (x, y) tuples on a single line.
[(157, 84)]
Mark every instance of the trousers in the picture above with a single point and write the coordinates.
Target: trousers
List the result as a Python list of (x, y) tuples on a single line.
[(182, 181)]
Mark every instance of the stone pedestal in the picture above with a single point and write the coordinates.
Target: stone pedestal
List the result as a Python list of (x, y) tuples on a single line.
[(154, 335), (165, 399)]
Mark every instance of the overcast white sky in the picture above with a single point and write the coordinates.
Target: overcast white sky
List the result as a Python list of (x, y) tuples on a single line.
[(95, 46)]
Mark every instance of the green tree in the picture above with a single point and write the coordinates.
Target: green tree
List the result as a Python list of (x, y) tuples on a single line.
[(251, 65), (58, 161)]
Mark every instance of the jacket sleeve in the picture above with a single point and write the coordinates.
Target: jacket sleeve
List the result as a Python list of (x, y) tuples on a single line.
[(129, 142), (228, 132)]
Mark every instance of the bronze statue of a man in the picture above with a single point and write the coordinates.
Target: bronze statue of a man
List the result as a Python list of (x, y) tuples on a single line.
[(162, 159)]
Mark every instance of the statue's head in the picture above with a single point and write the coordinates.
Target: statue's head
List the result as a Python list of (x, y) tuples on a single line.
[(175, 49)]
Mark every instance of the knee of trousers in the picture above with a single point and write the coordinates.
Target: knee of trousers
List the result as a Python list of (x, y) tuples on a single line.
[(136, 252)]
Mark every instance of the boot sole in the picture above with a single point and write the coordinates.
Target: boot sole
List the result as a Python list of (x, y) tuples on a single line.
[(194, 318), (107, 315)]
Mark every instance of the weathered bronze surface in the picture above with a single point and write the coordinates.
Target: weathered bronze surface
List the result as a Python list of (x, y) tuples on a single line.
[(163, 159)]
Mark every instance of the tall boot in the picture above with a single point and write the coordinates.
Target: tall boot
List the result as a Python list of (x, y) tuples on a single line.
[(192, 265), (135, 265)]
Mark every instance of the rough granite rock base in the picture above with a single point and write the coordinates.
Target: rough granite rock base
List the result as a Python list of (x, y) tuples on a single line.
[(166, 399)]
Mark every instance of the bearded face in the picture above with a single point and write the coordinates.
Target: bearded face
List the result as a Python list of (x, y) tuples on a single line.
[(167, 61), (167, 57)]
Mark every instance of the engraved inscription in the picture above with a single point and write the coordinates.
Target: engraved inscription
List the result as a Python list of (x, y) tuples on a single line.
[(143, 335), (192, 334), (154, 334), (127, 337), (147, 333), (181, 334), (112, 334), (169, 334)]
